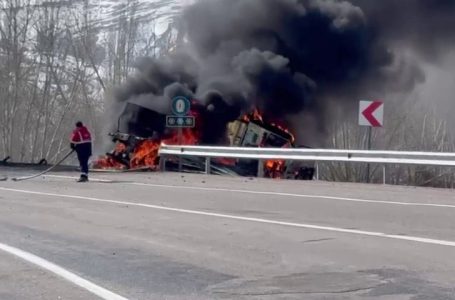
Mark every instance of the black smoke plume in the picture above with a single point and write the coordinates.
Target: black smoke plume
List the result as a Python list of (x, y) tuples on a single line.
[(286, 56), (428, 27)]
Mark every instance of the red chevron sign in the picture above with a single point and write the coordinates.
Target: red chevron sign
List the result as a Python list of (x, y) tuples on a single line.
[(371, 113)]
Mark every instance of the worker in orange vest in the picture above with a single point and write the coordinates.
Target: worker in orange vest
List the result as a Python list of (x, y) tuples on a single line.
[(81, 141)]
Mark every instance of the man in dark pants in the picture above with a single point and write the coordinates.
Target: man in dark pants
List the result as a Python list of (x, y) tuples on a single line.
[(81, 141)]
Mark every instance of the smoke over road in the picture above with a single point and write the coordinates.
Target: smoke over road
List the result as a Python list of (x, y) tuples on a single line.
[(288, 56), (426, 26)]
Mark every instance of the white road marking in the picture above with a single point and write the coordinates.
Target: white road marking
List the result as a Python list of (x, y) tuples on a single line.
[(344, 199), (240, 218), (296, 195), (73, 177), (61, 272)]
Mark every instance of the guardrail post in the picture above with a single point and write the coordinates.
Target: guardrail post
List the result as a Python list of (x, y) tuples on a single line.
[(383, 174), (207, 165), (163, 163), (261, 169), (317, 171)]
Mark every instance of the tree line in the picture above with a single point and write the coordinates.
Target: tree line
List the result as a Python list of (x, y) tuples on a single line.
[(57, 60)]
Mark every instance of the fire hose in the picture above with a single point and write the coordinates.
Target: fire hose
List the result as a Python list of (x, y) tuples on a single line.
[(45, 171)]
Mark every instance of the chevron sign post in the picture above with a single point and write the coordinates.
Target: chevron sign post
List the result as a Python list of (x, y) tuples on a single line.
[(371, 113)]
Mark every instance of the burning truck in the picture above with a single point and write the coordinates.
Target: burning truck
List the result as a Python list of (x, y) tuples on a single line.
[(288, 59), (136, 148), (285, 58)]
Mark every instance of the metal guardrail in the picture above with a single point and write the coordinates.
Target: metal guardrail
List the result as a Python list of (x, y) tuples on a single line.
[(315, 155)]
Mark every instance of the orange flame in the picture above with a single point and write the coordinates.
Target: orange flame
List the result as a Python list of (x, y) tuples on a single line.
[(145, 154), (253, 116), (272, 168), (189, 137), (285, 130), (107, 162), (275, 168)]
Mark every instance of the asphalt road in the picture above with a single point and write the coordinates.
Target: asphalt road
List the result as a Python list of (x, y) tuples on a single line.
[(171, 236)]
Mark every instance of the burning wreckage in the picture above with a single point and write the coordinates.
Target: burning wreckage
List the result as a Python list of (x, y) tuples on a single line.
[(287, 58), (137, 148)]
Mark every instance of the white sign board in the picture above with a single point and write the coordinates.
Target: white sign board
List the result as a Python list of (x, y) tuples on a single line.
[(371, 113)]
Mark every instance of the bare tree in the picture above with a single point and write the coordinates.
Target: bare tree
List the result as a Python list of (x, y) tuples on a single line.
[(416, 130), (57, 60)]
